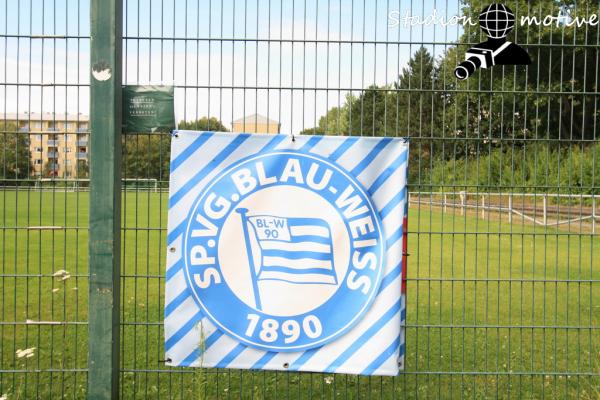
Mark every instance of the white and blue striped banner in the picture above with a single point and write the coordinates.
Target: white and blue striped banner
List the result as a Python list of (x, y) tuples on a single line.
[(286, 254)]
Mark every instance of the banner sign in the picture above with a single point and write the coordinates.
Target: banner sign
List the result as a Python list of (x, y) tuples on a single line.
[(286, 254), (148, 109)]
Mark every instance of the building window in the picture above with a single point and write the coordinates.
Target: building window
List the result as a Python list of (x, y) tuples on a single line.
[(68, 149), (38, 150), (37, 162)]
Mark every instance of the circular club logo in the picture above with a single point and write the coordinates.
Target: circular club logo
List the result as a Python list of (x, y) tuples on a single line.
[(284, 251)]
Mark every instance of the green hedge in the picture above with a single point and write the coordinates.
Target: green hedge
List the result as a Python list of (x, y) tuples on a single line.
[(533, 168)]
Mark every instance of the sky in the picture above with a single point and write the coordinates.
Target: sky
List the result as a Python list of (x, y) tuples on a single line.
[(290, 60)]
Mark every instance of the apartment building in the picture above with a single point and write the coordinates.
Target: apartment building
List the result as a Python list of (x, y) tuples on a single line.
[(255, 123), (57, 142)]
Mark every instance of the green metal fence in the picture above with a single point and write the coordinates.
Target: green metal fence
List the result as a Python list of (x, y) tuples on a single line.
[(500, 305)]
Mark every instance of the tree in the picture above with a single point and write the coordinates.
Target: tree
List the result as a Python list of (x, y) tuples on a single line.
[(203, 124), (334, 122), (505, 106), (420, 105), (497, 108), (374, 112), (83, 169), (553, 97), (146, 156), (50, 169), (15, 157), (420, 95)]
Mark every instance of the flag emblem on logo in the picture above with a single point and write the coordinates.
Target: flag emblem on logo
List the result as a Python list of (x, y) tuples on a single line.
[(295, 250)]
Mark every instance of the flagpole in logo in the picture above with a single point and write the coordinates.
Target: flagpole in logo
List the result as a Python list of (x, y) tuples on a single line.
[(242, 212)]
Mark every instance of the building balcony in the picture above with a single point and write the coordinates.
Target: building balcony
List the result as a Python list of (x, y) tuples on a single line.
[(52, 154), (24, 129), (82, 142), (53, 142), (82, 156), (83, 130)]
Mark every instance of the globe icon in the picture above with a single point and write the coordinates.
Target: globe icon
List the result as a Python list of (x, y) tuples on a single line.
[(497, 20)]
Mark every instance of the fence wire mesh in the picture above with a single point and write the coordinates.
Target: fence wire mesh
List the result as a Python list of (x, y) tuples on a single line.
[(498, 305)]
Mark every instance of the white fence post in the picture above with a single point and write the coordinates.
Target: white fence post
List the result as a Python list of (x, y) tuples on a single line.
[(483, 206), (545, 205), (491, 202), (445, 202), (510, 208), (593, 214)]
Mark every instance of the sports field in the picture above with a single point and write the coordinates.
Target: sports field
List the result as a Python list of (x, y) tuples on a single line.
[(515, 308)]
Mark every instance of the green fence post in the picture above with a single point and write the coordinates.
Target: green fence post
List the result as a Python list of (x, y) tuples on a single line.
[(105, 199)]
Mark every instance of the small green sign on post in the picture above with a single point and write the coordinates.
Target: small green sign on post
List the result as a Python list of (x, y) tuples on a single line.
[(148, 109)]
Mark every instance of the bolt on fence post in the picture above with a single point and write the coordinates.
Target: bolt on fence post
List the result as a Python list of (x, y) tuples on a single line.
[(105, 199)]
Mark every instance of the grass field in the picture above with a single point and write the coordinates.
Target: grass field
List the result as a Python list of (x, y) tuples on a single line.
[(494, 310)]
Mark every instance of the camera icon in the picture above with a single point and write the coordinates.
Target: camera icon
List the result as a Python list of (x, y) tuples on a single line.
[(496, 21)]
